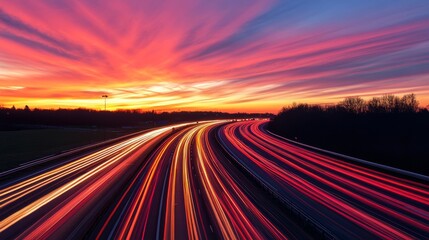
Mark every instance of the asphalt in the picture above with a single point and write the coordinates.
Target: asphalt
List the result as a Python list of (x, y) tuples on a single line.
[(211, 180)]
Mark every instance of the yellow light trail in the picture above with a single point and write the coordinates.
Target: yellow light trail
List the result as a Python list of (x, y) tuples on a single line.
[(106, 158)]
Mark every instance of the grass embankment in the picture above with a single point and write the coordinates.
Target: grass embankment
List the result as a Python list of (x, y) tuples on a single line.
[(18, 147)]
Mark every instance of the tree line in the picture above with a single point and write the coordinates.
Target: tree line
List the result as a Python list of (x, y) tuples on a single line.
[(14, 119), (390, 130)]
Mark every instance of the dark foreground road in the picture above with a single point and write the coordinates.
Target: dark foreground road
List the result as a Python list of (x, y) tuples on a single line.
[(210, 180)]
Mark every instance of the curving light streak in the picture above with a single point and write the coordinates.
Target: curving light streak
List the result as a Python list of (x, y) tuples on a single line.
[(377, 203), (230, 203), (115, 156), (178, 184)]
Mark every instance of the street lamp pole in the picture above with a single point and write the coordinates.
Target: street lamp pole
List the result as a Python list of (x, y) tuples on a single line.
[(105, 101)]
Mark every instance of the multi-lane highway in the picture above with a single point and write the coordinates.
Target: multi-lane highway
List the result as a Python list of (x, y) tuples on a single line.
[(210, 180)]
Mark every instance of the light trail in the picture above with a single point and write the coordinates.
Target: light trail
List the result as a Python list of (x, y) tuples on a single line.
[(343, 197), (115, 157), (192, 181), (211, 180), (225, 195)]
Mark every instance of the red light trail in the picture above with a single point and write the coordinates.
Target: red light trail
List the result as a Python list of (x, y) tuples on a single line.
[(215, 179)]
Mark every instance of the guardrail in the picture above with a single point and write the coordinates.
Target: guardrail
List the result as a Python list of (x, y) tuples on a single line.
[(273, 191), (357, 160), (70, 152)]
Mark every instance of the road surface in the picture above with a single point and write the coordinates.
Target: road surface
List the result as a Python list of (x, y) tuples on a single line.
[(210, 180)]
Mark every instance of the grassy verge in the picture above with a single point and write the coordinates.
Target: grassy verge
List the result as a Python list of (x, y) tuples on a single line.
[(18, 147), (394, 139)]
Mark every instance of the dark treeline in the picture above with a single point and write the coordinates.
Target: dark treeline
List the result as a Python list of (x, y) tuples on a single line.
[(12, 119), (389, 130)]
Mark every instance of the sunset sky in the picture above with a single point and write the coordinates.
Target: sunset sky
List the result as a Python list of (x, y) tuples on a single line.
[(254, 56)]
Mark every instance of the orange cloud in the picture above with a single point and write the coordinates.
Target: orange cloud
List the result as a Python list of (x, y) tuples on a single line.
[(220, 55)]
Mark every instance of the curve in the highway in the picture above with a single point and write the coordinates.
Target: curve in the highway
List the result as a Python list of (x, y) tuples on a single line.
[(345, 199), (211, 180)]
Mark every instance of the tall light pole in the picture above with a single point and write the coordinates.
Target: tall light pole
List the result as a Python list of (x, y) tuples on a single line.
[(105, 101)]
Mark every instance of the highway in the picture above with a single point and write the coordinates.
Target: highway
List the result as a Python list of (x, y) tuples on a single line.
[(210, 180)]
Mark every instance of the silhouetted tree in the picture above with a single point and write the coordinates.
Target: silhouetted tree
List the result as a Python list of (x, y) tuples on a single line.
[(409, 103), (390, 103), (353, 104), (390, 130), (374, 105)]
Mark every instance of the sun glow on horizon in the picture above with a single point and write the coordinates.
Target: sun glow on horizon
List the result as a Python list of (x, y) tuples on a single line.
[(222, 56)]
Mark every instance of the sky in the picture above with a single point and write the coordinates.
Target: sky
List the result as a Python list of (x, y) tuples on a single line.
[(220, 55)]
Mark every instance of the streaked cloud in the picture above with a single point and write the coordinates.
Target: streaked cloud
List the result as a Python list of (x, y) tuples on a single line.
[(13, 88), (239, 55)]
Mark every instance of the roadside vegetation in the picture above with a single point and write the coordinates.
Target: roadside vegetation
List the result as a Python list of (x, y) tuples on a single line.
[(390, 130), (27, 134), (18, 147), (15, 119)]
